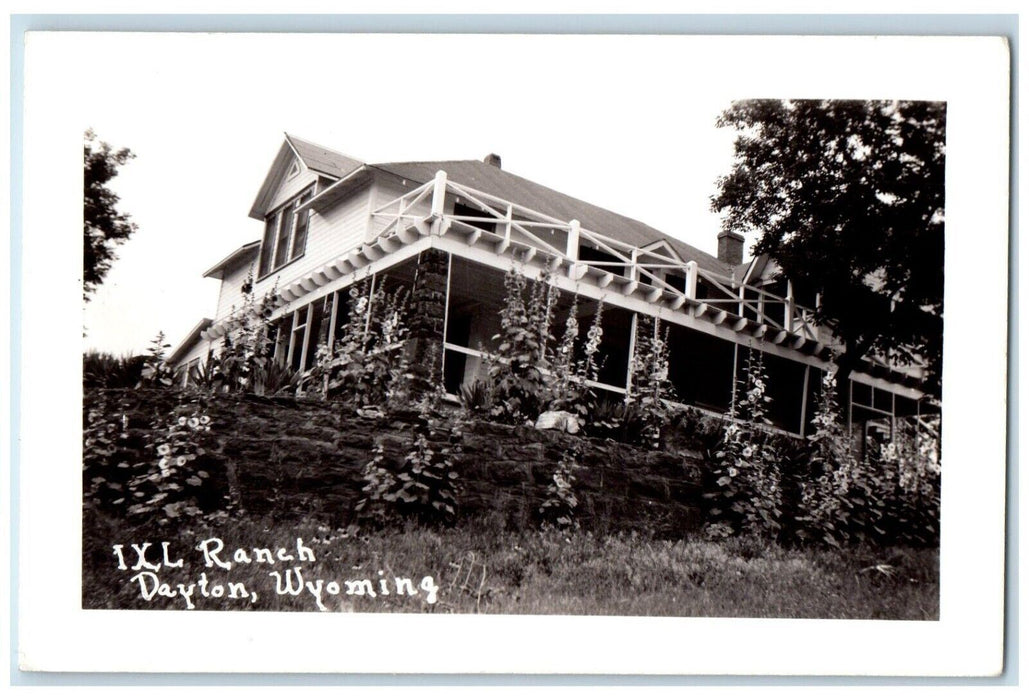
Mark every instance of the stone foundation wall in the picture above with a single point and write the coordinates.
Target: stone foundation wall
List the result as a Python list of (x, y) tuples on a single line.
[(287, 457)]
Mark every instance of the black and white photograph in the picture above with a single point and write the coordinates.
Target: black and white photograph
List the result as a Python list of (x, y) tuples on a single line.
[(398, 330)]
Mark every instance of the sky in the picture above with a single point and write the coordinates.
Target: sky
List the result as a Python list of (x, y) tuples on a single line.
[(625, 122), (614, 121)]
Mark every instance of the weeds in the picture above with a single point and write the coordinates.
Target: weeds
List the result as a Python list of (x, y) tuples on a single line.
[(481, 567)]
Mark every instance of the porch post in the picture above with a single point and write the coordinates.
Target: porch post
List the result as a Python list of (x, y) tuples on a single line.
[(428, 319), (572, 248), (332, 319), (691, 279), (633, 324), (439, 193), (790, 311), (307, 337), (735, 381), (368, 309), (446, 317), (803, 401)]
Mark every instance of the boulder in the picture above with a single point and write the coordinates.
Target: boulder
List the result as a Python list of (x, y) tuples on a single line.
[(558, 420)]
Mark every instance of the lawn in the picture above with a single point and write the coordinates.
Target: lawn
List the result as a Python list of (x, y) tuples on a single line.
[(480, 567)]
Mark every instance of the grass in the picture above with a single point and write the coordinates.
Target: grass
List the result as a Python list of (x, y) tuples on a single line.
[(479, 567)]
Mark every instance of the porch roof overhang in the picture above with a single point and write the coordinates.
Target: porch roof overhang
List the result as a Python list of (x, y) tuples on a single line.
[(639, 285)]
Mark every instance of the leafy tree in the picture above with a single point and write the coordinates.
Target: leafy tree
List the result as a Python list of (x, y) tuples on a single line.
[(103, 226), (848, 198)]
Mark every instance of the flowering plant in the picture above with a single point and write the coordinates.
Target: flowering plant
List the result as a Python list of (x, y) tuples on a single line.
[(560, 504), (423, 485), (172, 484), (367, 365), (747, 491), (518, 374), (649, 389)]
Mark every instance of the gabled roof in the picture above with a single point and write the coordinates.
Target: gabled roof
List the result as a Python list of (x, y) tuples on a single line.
[(316, 158), (760, 268), (505, 185), (321, 159), (242, 255), (487, 178)]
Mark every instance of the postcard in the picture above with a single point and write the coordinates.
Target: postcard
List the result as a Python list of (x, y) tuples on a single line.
[(441, 353)]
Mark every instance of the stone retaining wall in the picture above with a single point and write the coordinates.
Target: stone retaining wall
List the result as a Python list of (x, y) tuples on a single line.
[(288, 457)]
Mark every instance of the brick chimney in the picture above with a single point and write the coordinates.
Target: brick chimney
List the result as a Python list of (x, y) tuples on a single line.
[(730, 247), (492, 159)]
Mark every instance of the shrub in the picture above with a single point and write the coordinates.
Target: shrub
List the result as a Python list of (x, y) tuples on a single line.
[(156, 371), (615, 419), (695, 430), (109, 451), (205, 376), (891, 496), (368, 364), (746, 494), (566, 389), (574, 368), (523, 359), (423, 485), (476, 397), (559, 506), (827, 491), (649, 388), (274, 377), (176, 488), (104, 370), (248, 346), (148, 467)]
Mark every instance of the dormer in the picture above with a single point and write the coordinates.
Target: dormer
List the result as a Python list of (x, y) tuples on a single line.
[(301, 170)]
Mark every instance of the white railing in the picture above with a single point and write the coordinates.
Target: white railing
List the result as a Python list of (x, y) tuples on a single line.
[(510, 227)]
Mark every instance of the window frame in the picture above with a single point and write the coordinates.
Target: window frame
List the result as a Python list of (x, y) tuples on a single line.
[(271, 243)]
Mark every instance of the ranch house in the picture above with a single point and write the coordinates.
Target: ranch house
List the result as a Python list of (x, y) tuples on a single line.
[(454, 228)]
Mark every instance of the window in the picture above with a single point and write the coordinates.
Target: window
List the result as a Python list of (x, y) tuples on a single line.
[(285, 234), (267, 246), (301, 222)]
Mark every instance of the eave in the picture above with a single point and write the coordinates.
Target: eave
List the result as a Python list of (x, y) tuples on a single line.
[(234, 259), (339, 189), (283, 158), (188, 342)]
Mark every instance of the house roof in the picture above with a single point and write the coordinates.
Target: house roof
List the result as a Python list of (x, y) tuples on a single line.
[(753, 271), (511, 187), (318, 159), (487, 178), (188, 342), (244, 254), (321, 159)]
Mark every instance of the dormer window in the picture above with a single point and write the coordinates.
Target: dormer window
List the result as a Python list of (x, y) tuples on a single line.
[(285, 234)]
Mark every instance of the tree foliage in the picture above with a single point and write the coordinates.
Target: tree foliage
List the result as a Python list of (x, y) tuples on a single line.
[(848, 198), (103, 226)]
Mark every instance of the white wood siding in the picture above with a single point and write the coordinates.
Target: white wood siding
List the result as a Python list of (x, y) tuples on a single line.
[(230, 297), (331, 234), (197, 352), (290, 188)]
